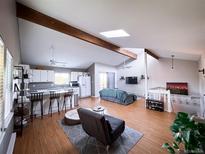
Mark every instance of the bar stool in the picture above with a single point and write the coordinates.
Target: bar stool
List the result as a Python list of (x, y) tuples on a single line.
[(36, 97), (54, 96), (66, 95)]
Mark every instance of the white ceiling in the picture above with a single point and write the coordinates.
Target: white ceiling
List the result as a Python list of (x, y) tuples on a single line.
[(165, 26), (36, 42)]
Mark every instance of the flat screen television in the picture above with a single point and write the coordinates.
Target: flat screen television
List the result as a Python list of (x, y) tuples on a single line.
[(131, 80), (180, 88)]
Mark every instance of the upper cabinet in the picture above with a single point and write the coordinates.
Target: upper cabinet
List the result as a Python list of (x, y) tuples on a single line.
[(75, 75), (42, 75), (51, 76), (36, 75)]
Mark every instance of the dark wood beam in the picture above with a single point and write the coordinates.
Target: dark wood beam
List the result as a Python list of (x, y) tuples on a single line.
[(34, 16), (151, 54)]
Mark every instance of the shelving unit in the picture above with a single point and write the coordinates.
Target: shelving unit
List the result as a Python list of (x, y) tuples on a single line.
[(155, 105), (21, 112)]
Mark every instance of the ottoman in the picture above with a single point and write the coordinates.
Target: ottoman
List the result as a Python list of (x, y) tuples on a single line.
[(71, 117)]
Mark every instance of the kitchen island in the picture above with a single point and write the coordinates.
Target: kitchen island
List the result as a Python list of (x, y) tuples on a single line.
[(46, 100)]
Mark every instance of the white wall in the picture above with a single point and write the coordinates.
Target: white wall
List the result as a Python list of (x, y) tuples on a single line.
[(202, 84), (100, 68), (10, 36), (160, 72), (136, 69), (9, 28)]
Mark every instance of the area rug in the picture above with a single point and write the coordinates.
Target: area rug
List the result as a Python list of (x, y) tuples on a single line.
[(89, 145)]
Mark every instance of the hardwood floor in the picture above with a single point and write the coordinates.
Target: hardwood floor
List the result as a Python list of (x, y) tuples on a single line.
[(45, 136)]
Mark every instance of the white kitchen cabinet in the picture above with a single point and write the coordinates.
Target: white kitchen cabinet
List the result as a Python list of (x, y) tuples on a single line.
[(36, 75), (30, 75), (75, 75), (51, 76), (41, 75), (44, 76)]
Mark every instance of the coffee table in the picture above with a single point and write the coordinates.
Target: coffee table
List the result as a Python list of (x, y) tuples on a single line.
[(99, 109)]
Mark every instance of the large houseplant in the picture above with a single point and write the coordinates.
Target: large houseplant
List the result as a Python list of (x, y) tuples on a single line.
[(189, 135)]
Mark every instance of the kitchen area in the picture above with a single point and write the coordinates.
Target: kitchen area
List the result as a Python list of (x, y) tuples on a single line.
[(41, 91)]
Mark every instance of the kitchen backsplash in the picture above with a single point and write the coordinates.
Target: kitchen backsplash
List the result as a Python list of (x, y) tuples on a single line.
[(46, 85)]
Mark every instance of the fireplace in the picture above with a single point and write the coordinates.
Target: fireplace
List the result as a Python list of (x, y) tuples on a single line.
[(180, 88)]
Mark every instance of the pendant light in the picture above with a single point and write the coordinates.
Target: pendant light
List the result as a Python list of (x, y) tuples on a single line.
[(172, 61)]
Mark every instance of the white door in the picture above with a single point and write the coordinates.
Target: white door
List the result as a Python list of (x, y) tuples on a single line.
[(88, 86), (44, 76), (36, 76)]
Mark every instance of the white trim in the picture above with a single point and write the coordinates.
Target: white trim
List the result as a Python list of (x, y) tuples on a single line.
[(6, 122), (11, 144)]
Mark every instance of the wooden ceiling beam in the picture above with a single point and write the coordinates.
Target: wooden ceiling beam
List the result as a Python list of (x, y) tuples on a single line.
[(151, 54), (34, 16)]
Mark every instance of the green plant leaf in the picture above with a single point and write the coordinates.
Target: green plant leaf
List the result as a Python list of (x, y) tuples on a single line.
[(165, 145), (175, 145), (171, 150), (186, 136)]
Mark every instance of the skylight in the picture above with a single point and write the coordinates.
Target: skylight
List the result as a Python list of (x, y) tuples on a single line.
[(115, 33)]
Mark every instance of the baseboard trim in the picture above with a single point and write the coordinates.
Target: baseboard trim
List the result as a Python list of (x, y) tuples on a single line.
[(11, 144)]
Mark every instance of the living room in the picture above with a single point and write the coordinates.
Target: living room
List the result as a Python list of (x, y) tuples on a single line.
[(76, 78)]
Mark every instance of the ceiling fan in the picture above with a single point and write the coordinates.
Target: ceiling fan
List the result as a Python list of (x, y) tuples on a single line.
[(124, 66), (54, 62)]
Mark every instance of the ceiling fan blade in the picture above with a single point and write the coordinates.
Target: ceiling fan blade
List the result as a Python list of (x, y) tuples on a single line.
[(60, 62)]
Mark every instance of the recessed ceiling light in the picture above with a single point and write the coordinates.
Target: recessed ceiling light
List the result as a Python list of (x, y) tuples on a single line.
[(115, 33)]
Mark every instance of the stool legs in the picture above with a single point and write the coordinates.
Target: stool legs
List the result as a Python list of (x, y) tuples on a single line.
[(58, 106), (31, 116), (70, 102), (50, 108), (64, 104), (41, 109)]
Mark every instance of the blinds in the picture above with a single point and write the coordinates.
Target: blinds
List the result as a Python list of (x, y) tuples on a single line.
[(1, 84), (8, 84)]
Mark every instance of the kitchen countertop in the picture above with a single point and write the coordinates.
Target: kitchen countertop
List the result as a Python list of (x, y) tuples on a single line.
[(47, 91)]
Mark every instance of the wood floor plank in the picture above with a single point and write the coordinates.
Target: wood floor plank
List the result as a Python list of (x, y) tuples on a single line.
[(45, 136)]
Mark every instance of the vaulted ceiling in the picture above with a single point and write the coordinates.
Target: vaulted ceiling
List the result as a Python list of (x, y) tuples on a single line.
[(165, 26)]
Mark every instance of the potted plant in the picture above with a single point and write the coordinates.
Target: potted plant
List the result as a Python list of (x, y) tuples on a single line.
[(189, 135)]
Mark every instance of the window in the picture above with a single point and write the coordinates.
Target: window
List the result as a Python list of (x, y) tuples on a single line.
[(62, 78), (103, 80), (8, 84), (1, 84)]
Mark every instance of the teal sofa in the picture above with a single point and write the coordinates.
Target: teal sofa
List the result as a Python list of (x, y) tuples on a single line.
[(117, 96)]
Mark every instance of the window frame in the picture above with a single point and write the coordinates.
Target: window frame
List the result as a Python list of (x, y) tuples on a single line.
[(8, 87), (2, 87), (65, 73)]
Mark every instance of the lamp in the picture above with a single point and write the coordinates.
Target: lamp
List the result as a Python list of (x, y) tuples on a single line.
[(202, 70), (172, 61)]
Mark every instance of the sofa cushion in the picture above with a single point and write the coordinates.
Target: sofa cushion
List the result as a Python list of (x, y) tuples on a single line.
[(108, 92), (117, 125), (121, 95)]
